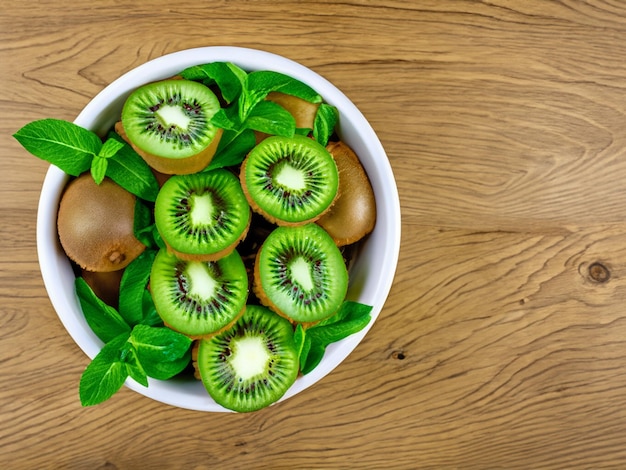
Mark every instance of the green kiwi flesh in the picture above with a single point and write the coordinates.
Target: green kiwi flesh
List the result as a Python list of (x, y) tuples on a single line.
[(290, 181), (198, 298), (251, 365), (202, 215), (171, 118), (300, 273)]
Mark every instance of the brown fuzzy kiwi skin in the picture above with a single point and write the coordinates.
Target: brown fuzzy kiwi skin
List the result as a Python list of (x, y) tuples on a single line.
[(271, 219), (175, 166), (353, 214), (95, 224), (303, 111)]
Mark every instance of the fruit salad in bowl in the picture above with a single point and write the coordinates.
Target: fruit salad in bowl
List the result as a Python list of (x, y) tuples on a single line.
[(219, 228)]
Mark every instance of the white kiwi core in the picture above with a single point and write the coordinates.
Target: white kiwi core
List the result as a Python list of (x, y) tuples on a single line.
[(301, 273), (173, 116), (290, 177), (201, 209), (202, 284), (250, 357)]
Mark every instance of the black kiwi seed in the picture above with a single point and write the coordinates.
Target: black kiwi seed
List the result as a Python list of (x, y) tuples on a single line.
[(251, 365)]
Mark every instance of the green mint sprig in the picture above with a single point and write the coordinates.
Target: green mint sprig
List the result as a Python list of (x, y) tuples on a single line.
[(312, 342), (137, 344), (76, 150), (247, 109)]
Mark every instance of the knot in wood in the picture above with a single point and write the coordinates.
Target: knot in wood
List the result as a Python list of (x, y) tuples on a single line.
[(598, 272), (398, 355)]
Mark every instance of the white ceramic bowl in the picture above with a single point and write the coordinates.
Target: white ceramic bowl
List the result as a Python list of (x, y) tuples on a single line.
[(371, 275)]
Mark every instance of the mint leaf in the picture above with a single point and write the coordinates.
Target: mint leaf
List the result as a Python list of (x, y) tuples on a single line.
[(324, 124), (334, 332), (238, 72), (348, 310), (351, 318), (135, 369), (315, 354), (223, 74), (167, 370), (103, 319), (263, 82), (143, 224), (150, 315), (158, 344), (132, 286), (105, 374), (61, 143), (162, 352), (222, 120), (271, 118), (235, 151), (110, 148), (130, 171), (99, 168)]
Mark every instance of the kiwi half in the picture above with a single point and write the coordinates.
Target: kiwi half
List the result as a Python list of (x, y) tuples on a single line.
[(290, 181), (251, 365), (202, 216), (300, 273), (169, 124), (198, 298)]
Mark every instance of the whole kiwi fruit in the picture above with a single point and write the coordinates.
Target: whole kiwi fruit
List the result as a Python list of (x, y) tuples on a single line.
[(95, 224), (353, 214)]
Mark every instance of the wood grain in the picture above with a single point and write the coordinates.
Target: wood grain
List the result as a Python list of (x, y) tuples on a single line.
[(503, 342)]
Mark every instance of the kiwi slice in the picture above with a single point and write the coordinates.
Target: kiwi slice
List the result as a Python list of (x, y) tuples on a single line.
[(170, 120), (251, 365), (198, 298), (300, 273), (202, 216), (290, 181)]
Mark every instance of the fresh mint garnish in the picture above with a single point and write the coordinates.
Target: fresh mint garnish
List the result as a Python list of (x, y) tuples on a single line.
[(155, 344), (223, 74), (143, 224), (351, 318), (104, 320), (61, 143), (100, 161), (132, 286), (236, 147), (271, 118), (324, 123), (130, 171), (76, 150), (106, 373)]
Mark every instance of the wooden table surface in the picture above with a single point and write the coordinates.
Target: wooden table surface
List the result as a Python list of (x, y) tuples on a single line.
[(503, 340)]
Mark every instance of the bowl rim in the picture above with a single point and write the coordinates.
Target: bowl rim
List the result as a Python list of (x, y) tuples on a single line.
[(172, 392)]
